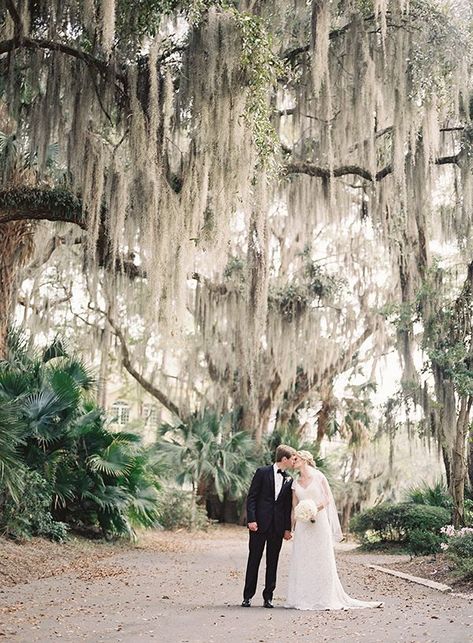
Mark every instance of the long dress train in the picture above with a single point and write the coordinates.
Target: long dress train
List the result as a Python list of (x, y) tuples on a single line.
[(313, 579)]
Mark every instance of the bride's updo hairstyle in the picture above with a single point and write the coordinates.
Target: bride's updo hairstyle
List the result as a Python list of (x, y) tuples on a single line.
[(307, 457)]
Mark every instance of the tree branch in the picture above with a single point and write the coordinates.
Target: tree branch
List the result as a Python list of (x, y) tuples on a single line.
[(51, 45), (20, 204), (311, 169), (148, 387), (305, 386), (38, 204)]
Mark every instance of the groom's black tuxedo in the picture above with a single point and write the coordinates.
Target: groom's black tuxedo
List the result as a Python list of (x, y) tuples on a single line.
[(273, 516), (263, 508)]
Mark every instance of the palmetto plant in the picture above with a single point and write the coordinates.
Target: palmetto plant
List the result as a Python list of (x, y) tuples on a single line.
[(435, 495), (207, 455), (11, 432), (50, 424)]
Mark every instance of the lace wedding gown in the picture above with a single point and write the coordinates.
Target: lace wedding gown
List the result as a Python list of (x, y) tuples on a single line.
[(313, 577)]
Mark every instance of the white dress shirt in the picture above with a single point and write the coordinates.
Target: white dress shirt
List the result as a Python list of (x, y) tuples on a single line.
[(278, 480)]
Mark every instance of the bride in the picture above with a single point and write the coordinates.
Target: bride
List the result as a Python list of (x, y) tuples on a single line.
[(313, 577)]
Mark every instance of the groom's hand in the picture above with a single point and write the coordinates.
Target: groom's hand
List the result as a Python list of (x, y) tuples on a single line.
[(253, 526), (287, 535)]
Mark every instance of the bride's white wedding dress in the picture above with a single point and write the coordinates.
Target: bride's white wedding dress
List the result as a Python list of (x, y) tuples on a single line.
[(313, 577)]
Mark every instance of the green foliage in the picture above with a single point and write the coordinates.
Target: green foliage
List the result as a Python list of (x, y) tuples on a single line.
[(312, 286), (30, 513), (95, 478), (447, 337), (235, 269), (11, 437), (40, 199), (207, 453), (460, 552), (422, 542), (262, 67), (176, 510), (396, 522), (287, 435), (461, 545), (136, 20), (141, 19), (291, 301), (435, 495)]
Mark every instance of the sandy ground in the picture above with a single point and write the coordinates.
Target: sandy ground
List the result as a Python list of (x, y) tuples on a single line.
[(180, 588)]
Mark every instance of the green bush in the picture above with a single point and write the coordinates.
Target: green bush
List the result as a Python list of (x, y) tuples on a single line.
[(460, 552), (77, 470), (30, 515), (469, 512), (395, 522), (422, 542), (176, 511), (461, 545)]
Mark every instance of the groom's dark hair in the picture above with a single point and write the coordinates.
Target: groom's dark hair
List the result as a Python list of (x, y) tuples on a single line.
[(283, 451)]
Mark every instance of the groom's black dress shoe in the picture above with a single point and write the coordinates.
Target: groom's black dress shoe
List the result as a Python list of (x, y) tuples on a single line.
[(267, 604), (246, 602)]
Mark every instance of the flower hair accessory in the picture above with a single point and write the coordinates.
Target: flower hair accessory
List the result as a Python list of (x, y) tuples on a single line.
[(306, 511)]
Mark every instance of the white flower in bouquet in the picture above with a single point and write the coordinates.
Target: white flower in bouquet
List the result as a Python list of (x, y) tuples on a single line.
[(305, 511)]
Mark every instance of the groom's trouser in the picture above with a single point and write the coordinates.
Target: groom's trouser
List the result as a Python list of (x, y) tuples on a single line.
[(273, 542)]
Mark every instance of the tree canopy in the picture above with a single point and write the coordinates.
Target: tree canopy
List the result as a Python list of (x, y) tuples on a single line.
[(276, 171)]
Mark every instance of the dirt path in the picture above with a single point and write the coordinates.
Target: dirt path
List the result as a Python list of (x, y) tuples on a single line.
[(183, 589)]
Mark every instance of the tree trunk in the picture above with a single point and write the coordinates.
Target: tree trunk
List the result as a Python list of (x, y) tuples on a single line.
[(16, 243), (104, 360), (459, 468), (249, 422), (447, 461), (470, 457)]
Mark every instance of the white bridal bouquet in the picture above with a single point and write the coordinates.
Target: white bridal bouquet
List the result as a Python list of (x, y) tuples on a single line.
[(305, 511)]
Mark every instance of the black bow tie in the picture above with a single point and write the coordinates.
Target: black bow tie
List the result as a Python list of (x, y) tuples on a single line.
[(283, 473)]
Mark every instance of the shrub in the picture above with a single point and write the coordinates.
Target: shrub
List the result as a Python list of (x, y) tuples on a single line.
[(469, 512), (395, 522), (422, 542), (461, 545), (30, 515), (76, 470), (176, 510), (460, 551)]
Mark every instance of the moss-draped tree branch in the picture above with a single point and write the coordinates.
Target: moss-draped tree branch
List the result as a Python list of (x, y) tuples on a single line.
[(59, 205), (305, 386), (146, 384), (33, 204), (312, 169)]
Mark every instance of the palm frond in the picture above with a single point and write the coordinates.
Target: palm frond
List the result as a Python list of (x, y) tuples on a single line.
[(56, 349), (113, 461)]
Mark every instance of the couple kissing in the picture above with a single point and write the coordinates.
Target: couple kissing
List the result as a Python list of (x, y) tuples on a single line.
[(303, 510)]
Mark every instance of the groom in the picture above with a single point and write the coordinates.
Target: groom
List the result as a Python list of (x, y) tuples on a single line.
[(268, 509)]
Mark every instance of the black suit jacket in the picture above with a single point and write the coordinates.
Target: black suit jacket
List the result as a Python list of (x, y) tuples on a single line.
[(263, 508)]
